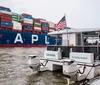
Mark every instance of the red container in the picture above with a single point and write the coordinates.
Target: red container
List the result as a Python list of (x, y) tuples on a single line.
[(5, 15), (45, 28), (27, 30), (27, 24), (6, 27), (36, 20), (6, 19), (26, 14)]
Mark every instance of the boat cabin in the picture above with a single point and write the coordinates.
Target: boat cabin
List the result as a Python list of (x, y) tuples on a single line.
[(77, 40)]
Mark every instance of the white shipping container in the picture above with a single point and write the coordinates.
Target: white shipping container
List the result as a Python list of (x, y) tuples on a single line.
[(51, 24), (25, 20), (17, 28), (43, 21), (17, 25), (29, 22), (5, 12), (51, 30), (37, 28)]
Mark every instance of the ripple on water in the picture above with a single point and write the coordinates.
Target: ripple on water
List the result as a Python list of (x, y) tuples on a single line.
[(15, 71)]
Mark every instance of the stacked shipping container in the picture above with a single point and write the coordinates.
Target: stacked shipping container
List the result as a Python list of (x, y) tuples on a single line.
[(16, 22), (37, 25), (23, 22), (27, 22), (6, 18), (51, 26), (44, 26)]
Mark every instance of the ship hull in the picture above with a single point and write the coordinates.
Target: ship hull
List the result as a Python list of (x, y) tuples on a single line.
[(10, 38)]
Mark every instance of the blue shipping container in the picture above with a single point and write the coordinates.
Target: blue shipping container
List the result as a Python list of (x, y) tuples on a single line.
[(44, 31), (28, 17), (44, 25), (27, 27), (6, 23), (5, 9)]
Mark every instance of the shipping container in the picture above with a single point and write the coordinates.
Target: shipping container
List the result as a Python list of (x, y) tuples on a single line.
[(44, 29), (37, 28), (24, 14), (44, 24), (6, 23), (5, 15), (6, 27), (5, 12), (36, 20), (17, 26), (27, 16), (6, 19), (51, 24), (37, 23), (15, 17), (5, 9), (51, 29)]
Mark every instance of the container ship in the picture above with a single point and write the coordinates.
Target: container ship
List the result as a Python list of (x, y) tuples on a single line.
[(22, 30)]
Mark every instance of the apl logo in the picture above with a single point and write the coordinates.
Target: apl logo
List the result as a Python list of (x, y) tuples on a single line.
[(34, 38)]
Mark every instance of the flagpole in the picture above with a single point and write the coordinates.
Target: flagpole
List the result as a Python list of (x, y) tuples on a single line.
[(67, 31)]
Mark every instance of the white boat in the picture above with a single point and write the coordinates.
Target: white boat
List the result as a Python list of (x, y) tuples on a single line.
[(78, 58)]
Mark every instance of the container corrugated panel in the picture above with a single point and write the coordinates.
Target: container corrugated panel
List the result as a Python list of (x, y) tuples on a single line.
[(36, 20), (37, 28), (51, 24), (26, 14), (5, 12), (17, 26), (44, 31), (5, 9), (44, 25), (6, 19), (36, 23), (27, 24), (15, 17), (44, 28), (51, 30), (5, 15), (30, 27), (5, 26), (6, 23), (17, 20)]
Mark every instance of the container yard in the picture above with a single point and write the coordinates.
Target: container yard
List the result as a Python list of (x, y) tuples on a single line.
[(18, 30)]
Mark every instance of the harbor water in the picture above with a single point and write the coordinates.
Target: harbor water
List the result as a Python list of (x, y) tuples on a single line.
[(14, 69)]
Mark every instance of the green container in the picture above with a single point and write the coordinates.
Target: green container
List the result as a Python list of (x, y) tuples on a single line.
[(15, 17), (36, 23)]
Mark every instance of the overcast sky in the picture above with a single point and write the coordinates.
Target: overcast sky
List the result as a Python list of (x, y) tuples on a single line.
[(79, 13)]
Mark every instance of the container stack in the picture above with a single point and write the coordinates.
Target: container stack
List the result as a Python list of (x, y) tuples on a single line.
[(37, 25), (16, 22), (27, 22), (5, 18), (44, 26), (51, 26)]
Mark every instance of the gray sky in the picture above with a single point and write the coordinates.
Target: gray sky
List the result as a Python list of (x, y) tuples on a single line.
[(79, 13)]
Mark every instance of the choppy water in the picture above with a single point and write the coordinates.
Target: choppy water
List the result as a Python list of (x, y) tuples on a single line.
[(14, 69)]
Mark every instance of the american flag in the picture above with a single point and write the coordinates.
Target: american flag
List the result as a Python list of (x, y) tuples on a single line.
[(61, 24)]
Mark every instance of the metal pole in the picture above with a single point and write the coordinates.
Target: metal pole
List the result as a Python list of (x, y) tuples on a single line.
[(82, 42), (98, 47), (67, 32)]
